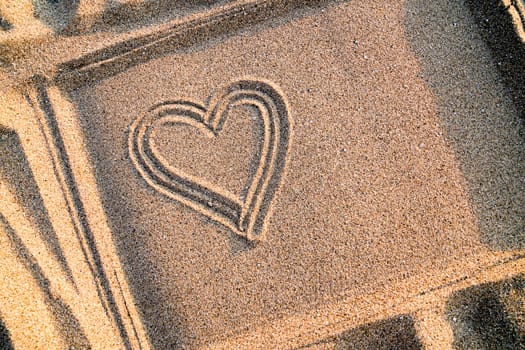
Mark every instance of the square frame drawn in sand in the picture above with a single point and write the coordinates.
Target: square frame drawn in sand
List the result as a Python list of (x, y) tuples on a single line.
[(97, 292), (92, 287)]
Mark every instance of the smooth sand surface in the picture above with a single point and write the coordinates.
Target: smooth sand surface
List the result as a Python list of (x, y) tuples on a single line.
[(406, 158)]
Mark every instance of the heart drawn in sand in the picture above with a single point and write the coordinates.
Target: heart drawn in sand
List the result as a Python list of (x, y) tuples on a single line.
[(244, 217)]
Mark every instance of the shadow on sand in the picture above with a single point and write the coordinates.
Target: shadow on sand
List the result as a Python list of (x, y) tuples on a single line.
[(480, 114)]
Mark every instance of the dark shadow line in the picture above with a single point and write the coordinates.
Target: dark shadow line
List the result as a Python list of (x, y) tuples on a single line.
[(135, 333), (117, 58), (5, 338), (56, 171), (119, 18), (464, 278), (67, 323), (323, 341), (78, 209), (24, 185)]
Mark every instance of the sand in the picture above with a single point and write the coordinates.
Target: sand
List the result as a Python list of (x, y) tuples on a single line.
[(369, 166)]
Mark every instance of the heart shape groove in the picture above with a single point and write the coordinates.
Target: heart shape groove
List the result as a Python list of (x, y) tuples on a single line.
[(246, 217)]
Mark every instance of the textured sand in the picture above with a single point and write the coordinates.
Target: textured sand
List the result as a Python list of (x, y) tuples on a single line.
[(406, 157), (405, 160)]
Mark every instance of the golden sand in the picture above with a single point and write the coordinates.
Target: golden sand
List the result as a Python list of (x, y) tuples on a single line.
[(257, 174)]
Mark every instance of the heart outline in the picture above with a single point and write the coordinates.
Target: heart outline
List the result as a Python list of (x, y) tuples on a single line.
[(247, 218)]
